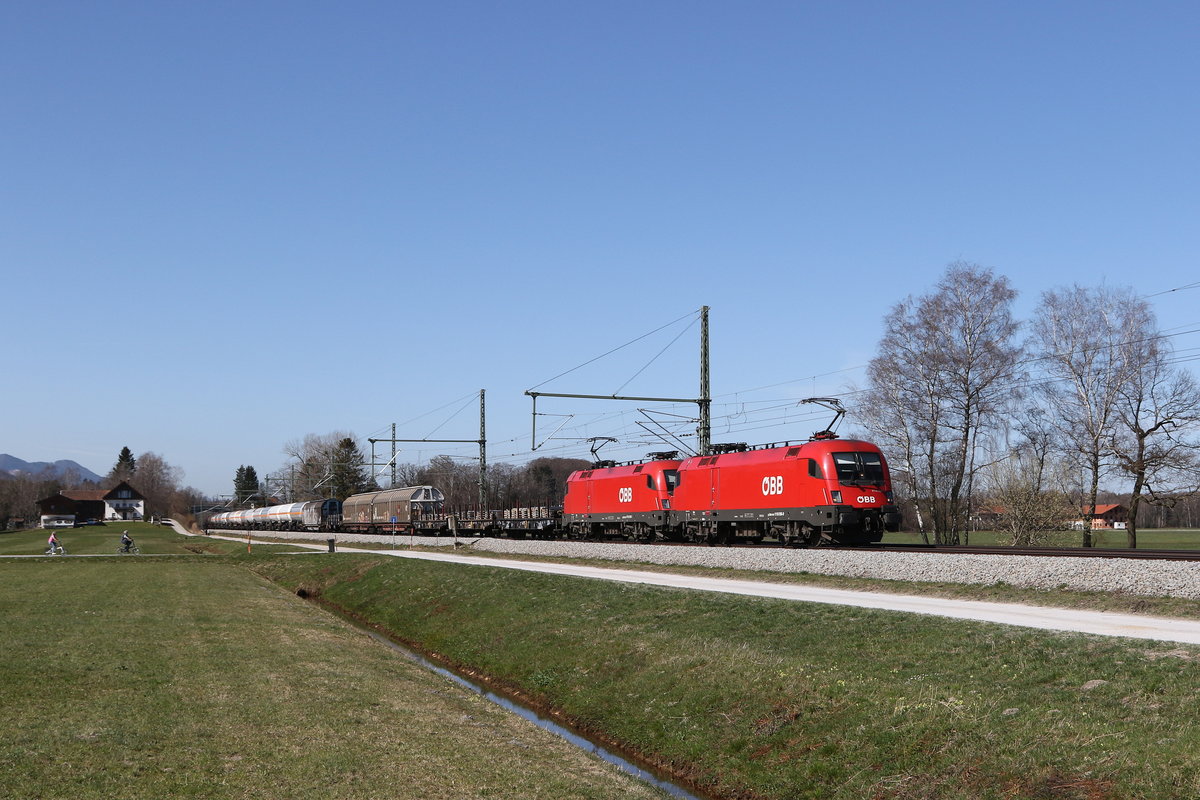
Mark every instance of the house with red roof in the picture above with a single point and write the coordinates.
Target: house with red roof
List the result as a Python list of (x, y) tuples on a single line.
[(1112, 516)]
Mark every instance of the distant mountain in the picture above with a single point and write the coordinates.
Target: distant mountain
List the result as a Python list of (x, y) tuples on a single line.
[(11, 465)]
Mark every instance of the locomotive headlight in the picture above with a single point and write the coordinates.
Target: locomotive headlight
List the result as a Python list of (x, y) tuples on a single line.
[(836, 494), (889, 496)]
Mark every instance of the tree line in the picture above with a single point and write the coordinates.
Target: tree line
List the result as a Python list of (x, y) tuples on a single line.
[(155, 479), (1029, 421), (333, 465)]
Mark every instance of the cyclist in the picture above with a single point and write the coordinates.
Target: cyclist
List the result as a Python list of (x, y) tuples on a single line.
[(126, 542), (52, 543)]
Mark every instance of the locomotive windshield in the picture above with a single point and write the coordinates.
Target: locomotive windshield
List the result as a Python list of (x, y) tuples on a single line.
[(672, 476), (859, 469)]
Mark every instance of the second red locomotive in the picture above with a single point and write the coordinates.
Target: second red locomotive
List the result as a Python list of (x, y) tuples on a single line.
[(825, 490)]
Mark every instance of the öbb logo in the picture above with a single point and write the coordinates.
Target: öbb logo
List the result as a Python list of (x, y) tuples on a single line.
[(772, 484)]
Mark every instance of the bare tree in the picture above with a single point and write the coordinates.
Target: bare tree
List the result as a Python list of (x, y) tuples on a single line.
[(19, 495), (1157, 409), (1026, 513), (945, 373), (890, 412), (1081, 335), (459, 483), (313, 464), (1039, 443), (158, 482)]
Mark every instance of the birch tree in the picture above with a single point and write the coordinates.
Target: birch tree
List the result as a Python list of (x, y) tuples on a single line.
[(1081, 336), (945, 374), (1157, 412)]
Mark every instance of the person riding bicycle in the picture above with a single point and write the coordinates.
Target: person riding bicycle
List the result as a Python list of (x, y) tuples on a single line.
[(126, 542), (52, 544)]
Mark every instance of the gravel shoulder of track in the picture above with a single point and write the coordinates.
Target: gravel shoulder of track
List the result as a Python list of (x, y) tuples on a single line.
[(1180, 579)]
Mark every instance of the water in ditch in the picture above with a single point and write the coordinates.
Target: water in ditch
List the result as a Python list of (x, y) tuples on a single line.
[(512, 705)]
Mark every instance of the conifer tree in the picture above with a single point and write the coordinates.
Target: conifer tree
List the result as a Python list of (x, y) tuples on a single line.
[(125, 467), (245, 483), (349, 470)]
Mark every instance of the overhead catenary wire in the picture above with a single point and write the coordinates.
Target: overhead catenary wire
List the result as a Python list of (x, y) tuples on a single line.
[(756, 415), (1192, 285), (614, 350), (656, 357)]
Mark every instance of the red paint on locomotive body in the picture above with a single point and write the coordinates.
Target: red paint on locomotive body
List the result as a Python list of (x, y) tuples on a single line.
[(831, 489), (834, 489), (639, 492), (801, 476)]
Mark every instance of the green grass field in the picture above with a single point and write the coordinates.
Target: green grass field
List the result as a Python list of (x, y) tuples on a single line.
[(772, 699), (183, 676), (202, 674), (105, 539)]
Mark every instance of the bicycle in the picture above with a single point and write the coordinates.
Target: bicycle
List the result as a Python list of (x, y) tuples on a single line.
[(133, 549), (56, 550)]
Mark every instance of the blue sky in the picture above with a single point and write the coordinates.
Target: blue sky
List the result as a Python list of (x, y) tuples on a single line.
[(227, 225)]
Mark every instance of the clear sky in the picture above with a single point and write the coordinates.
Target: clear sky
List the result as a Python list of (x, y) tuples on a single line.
[(226, 225)]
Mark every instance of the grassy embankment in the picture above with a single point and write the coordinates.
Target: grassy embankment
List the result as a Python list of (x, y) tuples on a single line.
[(135, 677), (746, 697), (778, 699)]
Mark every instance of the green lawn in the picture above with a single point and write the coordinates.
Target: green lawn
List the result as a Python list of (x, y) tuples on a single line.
[(192, 677), (105, 539), (185, 675)]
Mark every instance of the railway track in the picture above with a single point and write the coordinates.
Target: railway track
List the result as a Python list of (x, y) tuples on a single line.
[(1047, 552)]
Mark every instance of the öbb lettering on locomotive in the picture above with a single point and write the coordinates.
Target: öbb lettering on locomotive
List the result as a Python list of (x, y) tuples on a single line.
[(825, 490)]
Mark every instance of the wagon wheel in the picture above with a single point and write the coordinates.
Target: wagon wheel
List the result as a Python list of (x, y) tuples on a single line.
[(807, 536), (718, 534)]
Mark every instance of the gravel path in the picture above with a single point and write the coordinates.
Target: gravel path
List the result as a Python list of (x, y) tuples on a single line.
[(1150, 578)]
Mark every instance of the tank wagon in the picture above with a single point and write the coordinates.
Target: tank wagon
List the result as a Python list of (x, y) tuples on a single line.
[(314, 515), (824, 490)]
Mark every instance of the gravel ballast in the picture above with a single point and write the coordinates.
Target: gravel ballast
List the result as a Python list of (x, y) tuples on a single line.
[(1179, 579)]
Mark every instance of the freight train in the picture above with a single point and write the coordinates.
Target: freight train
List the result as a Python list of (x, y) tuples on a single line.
[(826, 490), (402, 509)]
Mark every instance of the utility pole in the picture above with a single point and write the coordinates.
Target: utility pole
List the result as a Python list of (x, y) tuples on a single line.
[(481, 441), (393, 454), (704, 432), (482, 453), (704, 401)]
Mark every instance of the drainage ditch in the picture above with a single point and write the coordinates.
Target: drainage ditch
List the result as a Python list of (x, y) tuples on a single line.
[(515, 706)]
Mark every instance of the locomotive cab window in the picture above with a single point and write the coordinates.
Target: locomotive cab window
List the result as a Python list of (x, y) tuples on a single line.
[(859, 469), (650, 482), (672, 478), (814, 469)]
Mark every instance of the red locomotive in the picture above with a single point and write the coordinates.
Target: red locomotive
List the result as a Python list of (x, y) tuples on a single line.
[(827, 489), (632, 500)]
